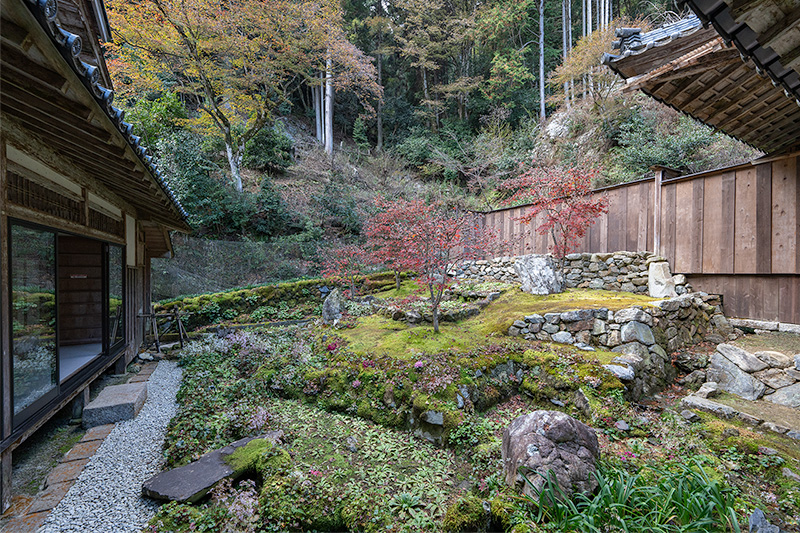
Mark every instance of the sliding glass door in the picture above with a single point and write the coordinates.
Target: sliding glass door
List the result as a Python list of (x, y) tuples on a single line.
[(67, 312), (33, 317)]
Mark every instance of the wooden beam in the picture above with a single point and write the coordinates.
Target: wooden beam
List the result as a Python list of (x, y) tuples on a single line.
[(780, 28), (17, 60), (12, 33)]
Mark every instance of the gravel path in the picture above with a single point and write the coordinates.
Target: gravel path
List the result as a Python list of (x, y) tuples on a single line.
[(107, 495)]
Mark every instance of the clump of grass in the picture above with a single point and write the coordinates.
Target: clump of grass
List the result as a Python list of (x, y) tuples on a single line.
[(658, 500)]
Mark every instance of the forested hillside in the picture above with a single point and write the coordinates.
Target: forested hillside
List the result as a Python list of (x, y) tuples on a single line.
[(280, 121)]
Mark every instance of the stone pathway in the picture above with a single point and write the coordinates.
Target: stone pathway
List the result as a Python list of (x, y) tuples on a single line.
[(106, 496), (32, 515)]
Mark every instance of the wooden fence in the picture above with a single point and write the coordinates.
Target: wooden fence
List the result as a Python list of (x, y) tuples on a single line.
[(733, 231)]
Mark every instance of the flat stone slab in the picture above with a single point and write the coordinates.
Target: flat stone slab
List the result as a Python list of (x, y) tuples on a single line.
[(704, 404), (789, 396), (189, 483), (115, 403)]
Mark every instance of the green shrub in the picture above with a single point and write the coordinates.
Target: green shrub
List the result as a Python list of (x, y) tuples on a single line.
[(270, 149)]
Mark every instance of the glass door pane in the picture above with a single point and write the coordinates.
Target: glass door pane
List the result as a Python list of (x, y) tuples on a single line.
[(33, 275), (116, 322)]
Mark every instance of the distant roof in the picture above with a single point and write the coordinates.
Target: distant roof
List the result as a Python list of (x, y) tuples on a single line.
[(141, 184), (695, 70)]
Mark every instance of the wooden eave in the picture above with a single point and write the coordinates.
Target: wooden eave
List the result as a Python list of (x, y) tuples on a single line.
[(48, 92), (766, 32), (715, 84)]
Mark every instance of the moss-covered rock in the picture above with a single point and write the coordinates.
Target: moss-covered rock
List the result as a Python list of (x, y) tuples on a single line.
[(465, 514)]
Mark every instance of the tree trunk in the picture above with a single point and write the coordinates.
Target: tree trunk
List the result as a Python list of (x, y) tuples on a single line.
[(379, 145), (565, 46), (234, 159), (397, 279), (315, 89), (436, 319), (329, 107), (542, 113)]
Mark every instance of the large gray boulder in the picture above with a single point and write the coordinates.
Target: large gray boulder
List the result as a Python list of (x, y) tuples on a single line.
[(733, 379), (660, 282), (539, 274), (332, 307), (744, 360), (789, 396), (550, 441)]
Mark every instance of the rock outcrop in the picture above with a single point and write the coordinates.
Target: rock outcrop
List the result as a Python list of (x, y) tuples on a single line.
[(539, 274), (542, 442)]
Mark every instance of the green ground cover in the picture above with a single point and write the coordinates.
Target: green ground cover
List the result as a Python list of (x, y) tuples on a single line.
[(350, 460)]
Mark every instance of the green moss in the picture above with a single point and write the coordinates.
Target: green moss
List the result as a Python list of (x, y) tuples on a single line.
[(465, 514), (377, 335), (258, 455), (514, 304)]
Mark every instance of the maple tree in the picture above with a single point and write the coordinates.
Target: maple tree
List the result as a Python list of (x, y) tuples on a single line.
[(563, 197), (346, 264), (236, 61), (387, 233), (428, 239)]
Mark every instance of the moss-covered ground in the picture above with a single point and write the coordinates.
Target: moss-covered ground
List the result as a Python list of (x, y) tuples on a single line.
[(351, 460), (784, 342)]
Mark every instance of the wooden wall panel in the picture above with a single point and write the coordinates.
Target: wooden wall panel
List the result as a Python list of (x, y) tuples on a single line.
[(764, 218), (668, 222), (683, 220), (772, 297), (745, 223), (784, 216), (616, 220)]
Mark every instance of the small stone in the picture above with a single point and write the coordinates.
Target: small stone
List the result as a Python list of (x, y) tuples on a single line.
[(690, 416), (557, 402), (791, 475), (774, 378), (708, 389), (352, 444), (624, 373), (632, 314), (775, 359), (513, 331), (775, 428), (520, 324), (585, 347), (634, 331), (758, 523), (621, 425), (730, 432), (765, 450), (563, 337)]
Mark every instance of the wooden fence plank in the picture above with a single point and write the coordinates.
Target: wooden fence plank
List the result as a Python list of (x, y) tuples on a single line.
[(712, 225), (683, 216), (784, 216), (698, 191), (764, 218), (632, 208), (668, 223), (745, 223), (728, 237)]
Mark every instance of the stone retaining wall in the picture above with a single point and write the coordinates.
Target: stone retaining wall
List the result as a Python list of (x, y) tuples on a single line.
[(642, 335), (618, 271)]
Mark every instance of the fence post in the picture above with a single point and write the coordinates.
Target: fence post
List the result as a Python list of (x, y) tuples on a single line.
[(659, 176)]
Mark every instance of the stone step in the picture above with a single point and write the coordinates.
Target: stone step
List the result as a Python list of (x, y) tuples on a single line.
[(114, 404)]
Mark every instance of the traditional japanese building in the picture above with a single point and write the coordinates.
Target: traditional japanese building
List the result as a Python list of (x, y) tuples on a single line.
[(733, 65), (82, 211)]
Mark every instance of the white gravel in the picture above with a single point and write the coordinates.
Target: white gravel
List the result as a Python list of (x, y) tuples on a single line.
[(107, 495)]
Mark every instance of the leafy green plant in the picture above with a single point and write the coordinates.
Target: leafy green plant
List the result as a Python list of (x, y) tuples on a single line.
[(662, 500)]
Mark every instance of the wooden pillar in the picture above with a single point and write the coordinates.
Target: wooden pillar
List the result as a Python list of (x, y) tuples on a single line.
[(659, 172), (5, 337)]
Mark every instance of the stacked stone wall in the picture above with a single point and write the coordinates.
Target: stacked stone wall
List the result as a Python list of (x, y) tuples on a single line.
[(618, 271), (642, 335)]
